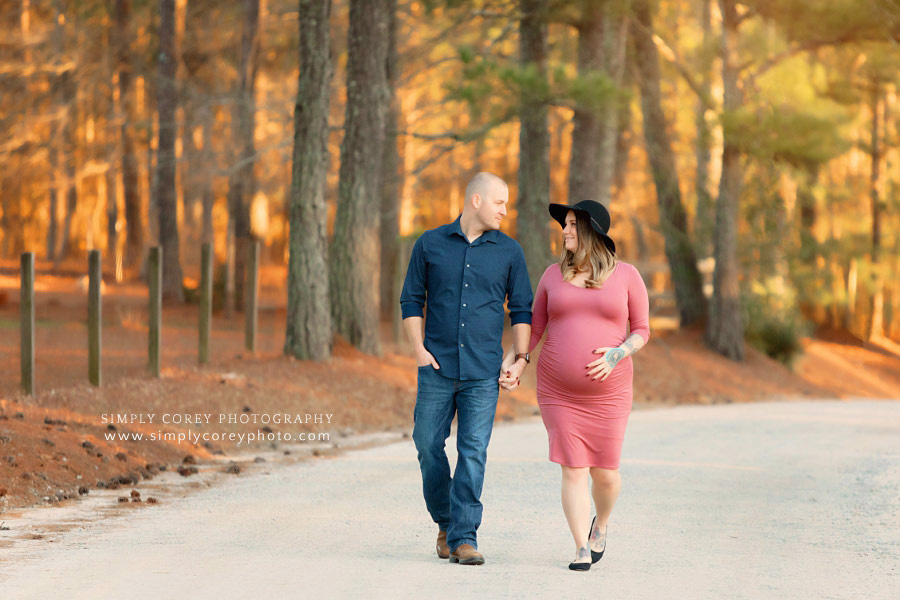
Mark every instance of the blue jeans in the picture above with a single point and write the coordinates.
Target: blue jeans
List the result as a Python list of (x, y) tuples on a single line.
[(454, 503)]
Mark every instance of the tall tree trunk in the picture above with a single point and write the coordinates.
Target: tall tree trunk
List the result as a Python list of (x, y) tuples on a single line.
[(206, 187), (584, 161), (308, 334), (172, 288), (809, 247), (602, 34), (56, 149), (672, 217), (241, 183), (876, 327), (355, 249), (703, 214), (624, 138), (534, 147), (390, 185), (725, 331), (71, 92), (191, 171), (71, 203), (615, 37), (111, 143), (134, 228)]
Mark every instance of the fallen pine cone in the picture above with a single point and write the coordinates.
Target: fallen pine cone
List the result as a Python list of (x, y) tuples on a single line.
[(186, 471)]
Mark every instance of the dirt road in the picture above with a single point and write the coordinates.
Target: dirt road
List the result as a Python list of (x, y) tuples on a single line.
[(774, 500)]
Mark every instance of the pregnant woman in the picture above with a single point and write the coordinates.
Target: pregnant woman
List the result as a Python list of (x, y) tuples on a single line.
[(585, 370)]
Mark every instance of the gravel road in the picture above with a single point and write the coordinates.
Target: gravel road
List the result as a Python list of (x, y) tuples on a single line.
[(773, 500)]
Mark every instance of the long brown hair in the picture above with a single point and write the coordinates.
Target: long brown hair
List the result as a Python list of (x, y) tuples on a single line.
[(591, 252)]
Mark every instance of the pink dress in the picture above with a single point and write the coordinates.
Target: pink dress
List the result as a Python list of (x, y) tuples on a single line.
[(585, 418)]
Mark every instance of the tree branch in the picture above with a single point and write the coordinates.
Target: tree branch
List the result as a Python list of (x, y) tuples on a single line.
[(672, 57)]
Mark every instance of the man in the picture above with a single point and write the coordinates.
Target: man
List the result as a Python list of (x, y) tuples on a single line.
[(465, 271)]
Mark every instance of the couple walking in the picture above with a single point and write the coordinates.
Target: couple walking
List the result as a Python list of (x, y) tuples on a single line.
[(465, 271)]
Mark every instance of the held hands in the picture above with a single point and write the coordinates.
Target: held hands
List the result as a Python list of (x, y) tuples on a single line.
[(425, 358), (511, 371), (604, 365)]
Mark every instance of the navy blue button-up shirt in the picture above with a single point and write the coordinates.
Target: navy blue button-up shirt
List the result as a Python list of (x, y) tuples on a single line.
[(465, 285)]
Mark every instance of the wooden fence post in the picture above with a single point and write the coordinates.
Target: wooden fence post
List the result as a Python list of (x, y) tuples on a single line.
[(205, 302), (94, 316), (155, 314), (250, 309), (26, 316)]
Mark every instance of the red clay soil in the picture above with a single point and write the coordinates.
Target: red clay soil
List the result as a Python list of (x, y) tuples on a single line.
[(53, 442)]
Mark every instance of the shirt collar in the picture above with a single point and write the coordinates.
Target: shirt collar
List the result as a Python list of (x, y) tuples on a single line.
[(487, 236)]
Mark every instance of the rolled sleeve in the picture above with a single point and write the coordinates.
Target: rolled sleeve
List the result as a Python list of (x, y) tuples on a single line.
[(412, 298), (519, 290)]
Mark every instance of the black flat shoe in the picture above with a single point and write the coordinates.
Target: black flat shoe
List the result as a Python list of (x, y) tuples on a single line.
[(595, 556), (581, 566)]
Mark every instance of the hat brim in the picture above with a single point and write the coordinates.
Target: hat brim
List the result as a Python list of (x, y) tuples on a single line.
[(559, 212)]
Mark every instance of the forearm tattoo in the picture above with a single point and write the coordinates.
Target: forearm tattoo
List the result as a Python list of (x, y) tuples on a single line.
[(614, 356), (628, 345)]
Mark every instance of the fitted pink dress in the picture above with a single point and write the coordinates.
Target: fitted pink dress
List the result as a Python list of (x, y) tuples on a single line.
[(585, 418)]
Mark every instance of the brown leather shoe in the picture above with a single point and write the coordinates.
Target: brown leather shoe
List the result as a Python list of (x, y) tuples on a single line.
[(443, 550), (466, 555)]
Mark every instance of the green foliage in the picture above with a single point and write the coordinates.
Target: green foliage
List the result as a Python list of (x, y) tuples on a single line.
[(826, 21), (772, 323), (785, 134), (497, 90)]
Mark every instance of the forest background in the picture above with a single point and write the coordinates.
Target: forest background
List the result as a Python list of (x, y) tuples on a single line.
[(747, 151)]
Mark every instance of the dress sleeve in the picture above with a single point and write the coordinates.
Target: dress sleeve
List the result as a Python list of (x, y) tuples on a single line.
[(638, 305), (539, 315)]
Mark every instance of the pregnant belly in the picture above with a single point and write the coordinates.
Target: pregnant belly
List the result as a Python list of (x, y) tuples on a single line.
[(561, 371)]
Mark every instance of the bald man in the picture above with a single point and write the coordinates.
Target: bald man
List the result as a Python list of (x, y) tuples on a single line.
[(466, 271)]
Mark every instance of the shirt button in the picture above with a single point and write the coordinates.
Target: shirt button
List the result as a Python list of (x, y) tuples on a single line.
[(467, 266), (467, 285), (462, 345), (462, 325), (464, 303)]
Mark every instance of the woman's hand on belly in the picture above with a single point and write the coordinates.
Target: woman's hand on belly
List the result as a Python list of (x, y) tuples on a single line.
[(603, 366)]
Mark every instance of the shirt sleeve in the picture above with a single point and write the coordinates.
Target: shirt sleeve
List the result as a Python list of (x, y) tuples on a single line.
[(412, 298), (519, 289), (539, 315), (638, 305)]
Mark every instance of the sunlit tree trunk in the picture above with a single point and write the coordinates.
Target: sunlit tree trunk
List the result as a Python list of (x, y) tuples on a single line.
[(390, 187), (55, 151), (172, 287), (703, 214), (672, 217), (876, 328), (584, 162), (725, 331), (309, 332), (134, 228), (534, 148), (355, 249), (241, 182), (615, 36)]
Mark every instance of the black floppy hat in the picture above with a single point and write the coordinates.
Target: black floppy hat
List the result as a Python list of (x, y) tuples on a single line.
[(596, 213)]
